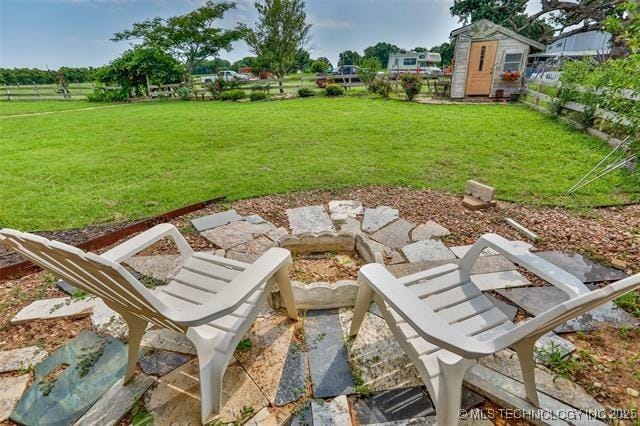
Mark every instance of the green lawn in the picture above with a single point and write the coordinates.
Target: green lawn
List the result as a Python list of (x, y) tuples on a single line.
[(87, 167), (28, 107)]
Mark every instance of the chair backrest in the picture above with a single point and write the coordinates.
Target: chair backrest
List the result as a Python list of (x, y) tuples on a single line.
[(92, 273), (559, 314)]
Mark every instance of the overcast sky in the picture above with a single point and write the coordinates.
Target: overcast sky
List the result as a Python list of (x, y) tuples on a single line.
[(54, 33)]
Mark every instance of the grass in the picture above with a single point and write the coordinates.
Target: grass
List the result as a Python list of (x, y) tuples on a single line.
[(29, 107), (114, 164)]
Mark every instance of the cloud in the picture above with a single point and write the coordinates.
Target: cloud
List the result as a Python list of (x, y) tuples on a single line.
[(331, 23)]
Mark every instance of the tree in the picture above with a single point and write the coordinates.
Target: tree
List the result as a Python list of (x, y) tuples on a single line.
[(382, 51), (212, 66), (319, 66), (140, 66), (325, 60), (191, 37), (281, 32), (369, 68), (446, 51), (303, 60), (349, 57)]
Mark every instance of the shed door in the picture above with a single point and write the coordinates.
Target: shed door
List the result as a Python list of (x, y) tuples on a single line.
[(480, 71)]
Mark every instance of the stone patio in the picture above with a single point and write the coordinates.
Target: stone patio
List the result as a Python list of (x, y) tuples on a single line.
[(308, 372)]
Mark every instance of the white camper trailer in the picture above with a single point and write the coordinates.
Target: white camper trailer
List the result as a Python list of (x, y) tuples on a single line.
[(425, 63)]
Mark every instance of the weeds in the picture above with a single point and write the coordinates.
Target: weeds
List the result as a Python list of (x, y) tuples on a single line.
[(244, 345), (554, 359), (630, 302), (140, 416), (88, 358)]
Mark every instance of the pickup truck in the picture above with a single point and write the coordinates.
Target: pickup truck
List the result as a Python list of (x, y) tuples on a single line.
[(343, 74), (224, 75)]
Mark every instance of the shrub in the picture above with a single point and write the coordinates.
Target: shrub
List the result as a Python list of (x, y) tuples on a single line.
[(381, 86), (258, 96), (319, 66), (184, 93), (412, 83), (233, 95), (102, 94), (334, 90), (305, 92)]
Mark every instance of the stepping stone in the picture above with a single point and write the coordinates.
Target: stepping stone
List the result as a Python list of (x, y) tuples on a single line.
[(293, 380), (264, 417), (427, 250), (236, 233), (374, 252), (66, 287), (168, 340), (264, 361), (107, 321), (495, 280), (116, 402), (395, 235), (335, 412), (21, 359), (250, 251), (429, 230), (302, 418), (254, 219), (484, 265), (549, 385), (160, 267), (159, 363), (215, 220), (509, 310), (375, 219), (310, 219), (278, 234), (460, 251), (536, 300), (55, 308), (11, 389), (72, 379), (328, 357), (393, 405), (585, 269), (176, 399), (552, 342), (376, 355), (351, 225), (344, 209)]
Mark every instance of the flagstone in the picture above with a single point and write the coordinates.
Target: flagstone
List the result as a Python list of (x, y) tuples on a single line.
[(552, 342), (495, 280), (309, 219), (254, 219), (376, 355), (264, 360), (460, 251), (107, 321), (160, 267), (215, 220), (72, 379), (116, 402), (375, 219), (21, 359), (236, 233), (483, 265), (278, 234), (293, 380), (375, 252), (351, 225), (536, 300), (302, 417), (263, 418), (429, 230), (344, 209), (334, 412), (395, 235), (168, 340), (176, 399), (582, 267), (250, 251), (393, 405), (328, 358), (55, 308), (11, 389), (427, 250), (66, 287), (159, 363)]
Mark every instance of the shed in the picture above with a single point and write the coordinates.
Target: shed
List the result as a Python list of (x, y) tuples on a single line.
[(489, 58)]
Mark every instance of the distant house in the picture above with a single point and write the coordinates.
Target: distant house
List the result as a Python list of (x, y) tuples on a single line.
[(489, 60), (414, 62)]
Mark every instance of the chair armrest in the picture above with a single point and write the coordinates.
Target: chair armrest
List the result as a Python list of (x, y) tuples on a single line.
[(522, 256), (237, 291), (141, 241), (428, 324)]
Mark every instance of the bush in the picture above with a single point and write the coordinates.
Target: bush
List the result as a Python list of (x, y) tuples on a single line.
[(258, 96), (334, 90), (233, 95), (411, 83), (101, 94), (305, 92), (184, 93), (381, 86)]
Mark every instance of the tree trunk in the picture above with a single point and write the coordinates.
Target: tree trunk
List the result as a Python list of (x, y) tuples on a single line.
[(280, 85)]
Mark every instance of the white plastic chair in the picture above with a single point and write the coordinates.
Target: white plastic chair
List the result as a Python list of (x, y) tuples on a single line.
[(212, 299), (445, 324)]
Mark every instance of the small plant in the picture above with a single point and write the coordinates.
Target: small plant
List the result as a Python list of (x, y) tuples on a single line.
[(555, 107), (140, 416), (305, 92), (258, 96), (184, 93), (244, 345), (630, 302), (381, 86), (360, 386), (89, 357), (333, 90), (411, 83), (188, 230), (150, 282), (79, 295), (553, 358), (102, 94), (233, 95)]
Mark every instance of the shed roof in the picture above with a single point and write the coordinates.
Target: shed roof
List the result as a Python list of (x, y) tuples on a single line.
[(484, 28)]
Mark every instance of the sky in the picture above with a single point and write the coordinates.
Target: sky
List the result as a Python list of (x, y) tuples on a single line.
[(54, 33)]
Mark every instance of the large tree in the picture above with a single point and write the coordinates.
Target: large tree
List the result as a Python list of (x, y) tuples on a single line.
[(382, 51), (279, 35), (349, 57), (191, 37)]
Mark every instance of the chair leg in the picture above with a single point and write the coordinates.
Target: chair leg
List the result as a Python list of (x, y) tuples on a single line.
[(449, 395), (137, 327), (284, 284), (364, 298), (524, 350), (211, 375)]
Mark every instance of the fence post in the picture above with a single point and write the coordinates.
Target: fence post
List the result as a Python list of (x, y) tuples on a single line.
[(9, 97), (36, 90)]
